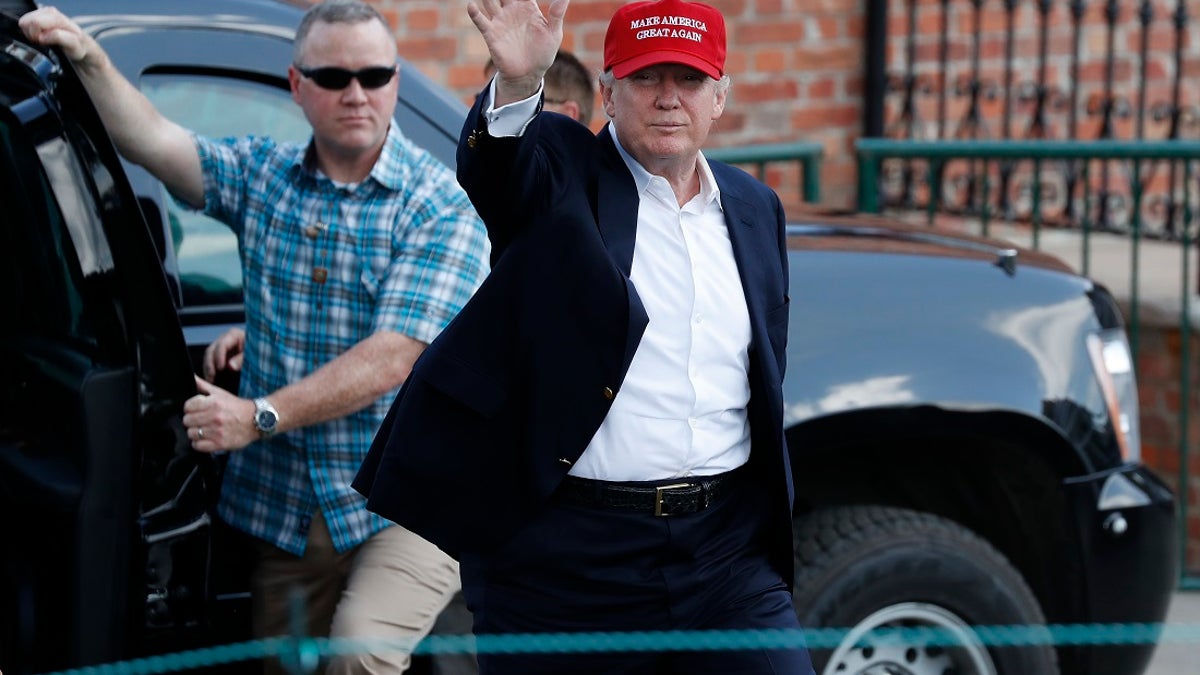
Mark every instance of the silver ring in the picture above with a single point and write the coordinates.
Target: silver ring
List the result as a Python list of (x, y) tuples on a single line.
[(199, 432)]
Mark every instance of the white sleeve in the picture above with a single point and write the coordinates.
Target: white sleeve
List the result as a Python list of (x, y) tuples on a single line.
[(511, 119)]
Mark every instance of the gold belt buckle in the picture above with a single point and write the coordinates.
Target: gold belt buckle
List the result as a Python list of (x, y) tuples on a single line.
[(658, 496)]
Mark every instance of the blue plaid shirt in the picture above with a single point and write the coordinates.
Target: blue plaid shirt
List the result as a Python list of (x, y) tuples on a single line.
[(324, 267)]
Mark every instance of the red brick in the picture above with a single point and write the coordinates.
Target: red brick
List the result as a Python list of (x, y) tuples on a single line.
[(821, 88), (1156, 365), (593, 41), (1158, 430), (731, 120), (853, 87), (736, 62), (591, 10), (732, 9), (856, 27), (418, 49), (392, 16), (771, 60), (832, 58), (752, 33), (828, 29), (422, 20), (468, 76), (929, 23), (810, 117), (765, 91)]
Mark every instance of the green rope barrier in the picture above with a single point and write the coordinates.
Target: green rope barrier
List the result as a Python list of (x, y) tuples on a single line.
[(304, 654)]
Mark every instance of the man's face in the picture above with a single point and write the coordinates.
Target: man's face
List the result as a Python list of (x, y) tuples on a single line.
[(663, 112), (353, 120)]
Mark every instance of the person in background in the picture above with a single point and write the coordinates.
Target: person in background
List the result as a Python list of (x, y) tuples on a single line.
[(358, 248), (569, 87), (602, 425)]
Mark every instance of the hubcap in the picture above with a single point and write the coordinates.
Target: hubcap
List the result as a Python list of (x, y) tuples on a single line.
[(864, 651)]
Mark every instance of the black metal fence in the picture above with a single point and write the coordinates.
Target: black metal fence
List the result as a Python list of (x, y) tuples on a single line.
[(1044, 70)]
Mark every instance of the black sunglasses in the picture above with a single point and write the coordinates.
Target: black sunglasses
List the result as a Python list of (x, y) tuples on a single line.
[(330, 77)]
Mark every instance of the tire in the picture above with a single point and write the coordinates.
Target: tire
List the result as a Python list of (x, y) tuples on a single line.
[(868, 567)]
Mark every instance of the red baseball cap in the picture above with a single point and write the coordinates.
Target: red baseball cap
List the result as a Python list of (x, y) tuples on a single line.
[(665, 31)]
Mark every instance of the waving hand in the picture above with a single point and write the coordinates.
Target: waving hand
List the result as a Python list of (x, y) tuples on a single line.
[(522, 42)]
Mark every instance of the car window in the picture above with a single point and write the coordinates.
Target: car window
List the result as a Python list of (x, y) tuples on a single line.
[(41, 292), (218, 106)]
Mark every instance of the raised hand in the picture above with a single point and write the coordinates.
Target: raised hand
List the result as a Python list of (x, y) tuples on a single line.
[(522, 42)]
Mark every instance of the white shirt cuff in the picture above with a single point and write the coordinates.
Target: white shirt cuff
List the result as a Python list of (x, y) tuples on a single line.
[(509, 120)]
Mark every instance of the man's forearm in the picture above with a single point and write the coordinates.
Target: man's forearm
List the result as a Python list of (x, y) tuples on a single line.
[(141, 134), (349, 383)]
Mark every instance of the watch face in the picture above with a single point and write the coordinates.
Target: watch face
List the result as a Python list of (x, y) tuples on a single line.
[(265, 420)]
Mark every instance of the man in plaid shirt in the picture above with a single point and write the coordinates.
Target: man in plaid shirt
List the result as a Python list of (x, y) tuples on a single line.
[(357, 249)]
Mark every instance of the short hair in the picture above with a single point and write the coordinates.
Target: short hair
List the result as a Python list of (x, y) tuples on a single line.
[(334, 11), (571, 79)]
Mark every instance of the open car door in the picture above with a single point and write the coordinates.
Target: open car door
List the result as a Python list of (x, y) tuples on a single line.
[(105, 511)]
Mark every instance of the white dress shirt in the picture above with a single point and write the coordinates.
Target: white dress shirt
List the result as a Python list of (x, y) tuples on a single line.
[(681, 410)]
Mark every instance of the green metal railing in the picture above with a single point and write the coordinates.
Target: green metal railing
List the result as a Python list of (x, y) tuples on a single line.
[(806, 154), (872, 153)]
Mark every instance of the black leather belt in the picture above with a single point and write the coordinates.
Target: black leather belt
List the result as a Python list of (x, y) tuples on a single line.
[(672, 498)]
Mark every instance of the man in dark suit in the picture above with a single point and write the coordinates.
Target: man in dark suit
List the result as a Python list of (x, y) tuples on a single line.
[(598, 435)]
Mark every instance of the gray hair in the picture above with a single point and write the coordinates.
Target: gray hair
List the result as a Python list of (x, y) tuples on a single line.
[(607, 79), (334, 11)]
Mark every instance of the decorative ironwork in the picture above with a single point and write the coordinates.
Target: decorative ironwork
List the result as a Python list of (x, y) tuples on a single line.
[(952, 92)]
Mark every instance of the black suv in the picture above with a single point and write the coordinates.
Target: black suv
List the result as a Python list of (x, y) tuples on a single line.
[(962, 415)]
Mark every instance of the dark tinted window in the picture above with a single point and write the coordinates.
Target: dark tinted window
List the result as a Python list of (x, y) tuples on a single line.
[(40, 288)]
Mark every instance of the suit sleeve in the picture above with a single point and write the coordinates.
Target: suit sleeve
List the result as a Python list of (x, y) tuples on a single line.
[(500, 176), (513, 180)]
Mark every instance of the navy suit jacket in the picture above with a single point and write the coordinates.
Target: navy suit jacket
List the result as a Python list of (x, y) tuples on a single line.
[(506, 399)]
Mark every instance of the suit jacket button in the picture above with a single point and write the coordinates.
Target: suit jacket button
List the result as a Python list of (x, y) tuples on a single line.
[(473, 139), (608, 393)]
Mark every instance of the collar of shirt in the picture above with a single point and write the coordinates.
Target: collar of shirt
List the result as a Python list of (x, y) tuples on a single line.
[(641, 177), (387, 171)]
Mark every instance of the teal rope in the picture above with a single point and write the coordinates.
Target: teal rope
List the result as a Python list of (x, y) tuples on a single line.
[(307, 652)]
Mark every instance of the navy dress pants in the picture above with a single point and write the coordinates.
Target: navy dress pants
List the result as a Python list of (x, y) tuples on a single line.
[(590, 569)]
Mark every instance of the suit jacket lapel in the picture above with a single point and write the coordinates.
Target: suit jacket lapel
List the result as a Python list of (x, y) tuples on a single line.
[(750, 248), (616, 204)]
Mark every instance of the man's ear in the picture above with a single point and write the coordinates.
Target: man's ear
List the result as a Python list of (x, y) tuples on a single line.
[(294, 83), (571, 109), (719, 106)]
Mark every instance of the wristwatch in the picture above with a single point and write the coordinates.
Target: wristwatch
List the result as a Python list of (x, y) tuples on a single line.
[(266, 418)]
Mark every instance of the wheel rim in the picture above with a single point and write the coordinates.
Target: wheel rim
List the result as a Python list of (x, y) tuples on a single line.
[(861, 653)]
